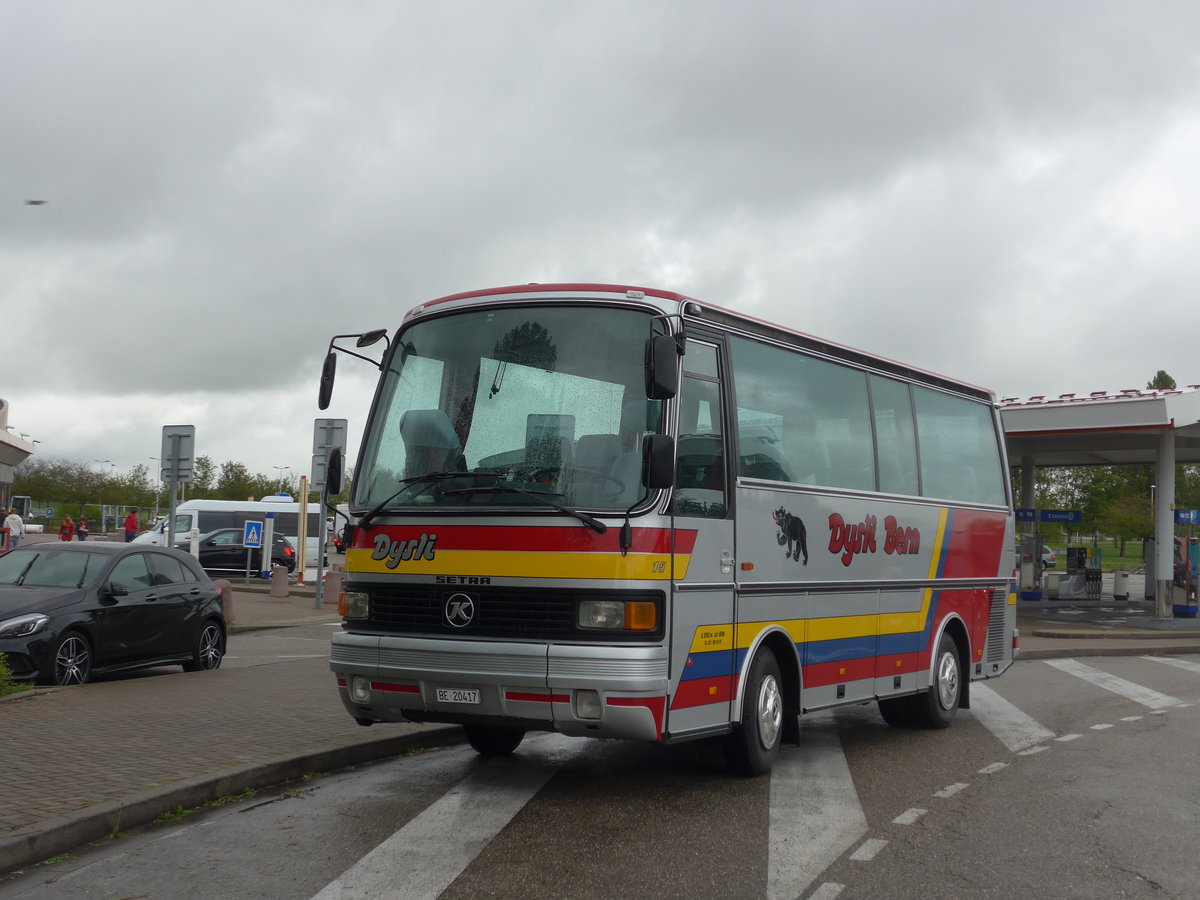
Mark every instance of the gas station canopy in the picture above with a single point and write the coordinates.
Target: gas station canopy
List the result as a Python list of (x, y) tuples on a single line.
[(1133, 427), (1102, 429)]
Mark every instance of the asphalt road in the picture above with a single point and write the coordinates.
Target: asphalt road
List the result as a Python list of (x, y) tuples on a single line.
[(1068, 778)]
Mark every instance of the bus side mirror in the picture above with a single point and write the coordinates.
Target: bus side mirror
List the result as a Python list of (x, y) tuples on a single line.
[(658, 461), (326, 389), (334, 471), (662, 369)]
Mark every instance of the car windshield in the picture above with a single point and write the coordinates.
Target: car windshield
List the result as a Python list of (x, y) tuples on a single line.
[(50, 568), (522, 406)]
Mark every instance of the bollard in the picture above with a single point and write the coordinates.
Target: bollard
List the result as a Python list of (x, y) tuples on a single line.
[(279, 581), (226, 589), (332, 586)]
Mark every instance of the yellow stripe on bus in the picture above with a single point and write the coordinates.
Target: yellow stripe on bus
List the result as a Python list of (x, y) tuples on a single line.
[(520, 564)]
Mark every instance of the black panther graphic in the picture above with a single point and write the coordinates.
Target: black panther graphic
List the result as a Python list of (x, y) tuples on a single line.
[(792, 532)]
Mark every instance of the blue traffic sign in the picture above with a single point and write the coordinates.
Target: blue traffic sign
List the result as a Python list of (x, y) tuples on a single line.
[(253, 535), (1066, 516), (1187, 516)]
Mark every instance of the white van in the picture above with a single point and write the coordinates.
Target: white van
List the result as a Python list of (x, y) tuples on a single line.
[(209, 515)]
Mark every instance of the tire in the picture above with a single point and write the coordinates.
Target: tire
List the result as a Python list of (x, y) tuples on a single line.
[(752, 747), (936, 708), (208, 649), (71, 661), (492, 740)]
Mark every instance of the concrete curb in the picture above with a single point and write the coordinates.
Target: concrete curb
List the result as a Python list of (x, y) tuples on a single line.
[(1114, 635), (95, 823)]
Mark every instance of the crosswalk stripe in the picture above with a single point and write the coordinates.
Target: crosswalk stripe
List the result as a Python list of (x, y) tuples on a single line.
[(815, 814), (422, 858), (1177, 663), (1127, 689), (1015, 729)]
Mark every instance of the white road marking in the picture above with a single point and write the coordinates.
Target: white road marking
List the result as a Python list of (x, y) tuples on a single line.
[(950, 790), (1064, 738), (827, 891), (1101, 726), (1015, 729), (909, 816), (993, 768), (1032, 750), (1177, 663), (1127, 689), (869, 850), (427, 854), (815, 815)]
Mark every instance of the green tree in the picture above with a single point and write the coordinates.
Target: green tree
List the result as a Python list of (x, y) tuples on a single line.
[(1161, 382)]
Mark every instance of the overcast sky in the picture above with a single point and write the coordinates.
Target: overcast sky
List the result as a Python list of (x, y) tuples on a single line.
[(1005, 192)]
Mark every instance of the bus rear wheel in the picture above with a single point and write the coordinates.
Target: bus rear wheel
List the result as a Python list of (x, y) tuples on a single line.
[(752, 747), (493, 740), (936, 708)]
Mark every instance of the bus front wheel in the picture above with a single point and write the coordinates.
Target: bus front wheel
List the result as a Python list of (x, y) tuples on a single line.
[(492, 740), (752, 747)]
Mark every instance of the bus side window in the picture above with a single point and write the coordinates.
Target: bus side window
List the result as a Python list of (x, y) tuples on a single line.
[(700, 450)]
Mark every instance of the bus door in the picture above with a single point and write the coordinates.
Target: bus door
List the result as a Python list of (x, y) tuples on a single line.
[(703, 650)]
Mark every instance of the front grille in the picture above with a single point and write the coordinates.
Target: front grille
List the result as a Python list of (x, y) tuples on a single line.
[(530, 613)]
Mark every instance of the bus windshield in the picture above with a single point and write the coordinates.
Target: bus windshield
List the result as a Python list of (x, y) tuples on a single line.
[(512, 407)]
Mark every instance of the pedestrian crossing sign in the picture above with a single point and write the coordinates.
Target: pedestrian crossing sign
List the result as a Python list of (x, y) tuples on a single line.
[(253, 534)]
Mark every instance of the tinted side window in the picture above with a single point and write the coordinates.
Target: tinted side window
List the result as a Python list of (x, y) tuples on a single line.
[(132, 572), (168, 570), (895, 436), (960, 457), (802, 419)]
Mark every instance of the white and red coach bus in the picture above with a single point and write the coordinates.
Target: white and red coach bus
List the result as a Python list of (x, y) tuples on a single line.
[(621, 512)]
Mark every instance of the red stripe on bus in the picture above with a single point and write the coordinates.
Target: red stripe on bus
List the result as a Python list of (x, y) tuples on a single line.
[(840, 672), (975, 543), (656, 705), (537, 538), (702, 692), (394, 688)]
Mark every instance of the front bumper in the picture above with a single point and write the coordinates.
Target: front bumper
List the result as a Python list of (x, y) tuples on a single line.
[(537, 686)]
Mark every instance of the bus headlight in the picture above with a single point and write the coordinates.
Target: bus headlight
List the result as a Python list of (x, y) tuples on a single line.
[(616, 615), (354, 605), (360, 689)]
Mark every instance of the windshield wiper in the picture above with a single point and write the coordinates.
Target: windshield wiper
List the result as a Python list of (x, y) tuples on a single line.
[(428, 480), (590, 521)]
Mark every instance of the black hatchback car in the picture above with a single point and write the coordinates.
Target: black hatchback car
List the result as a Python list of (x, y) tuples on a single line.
[(69, 611), (222, 553)]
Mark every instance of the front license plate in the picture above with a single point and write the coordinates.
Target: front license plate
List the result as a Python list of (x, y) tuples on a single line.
[(457, 695)]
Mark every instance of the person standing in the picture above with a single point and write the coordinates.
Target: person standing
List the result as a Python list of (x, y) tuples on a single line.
[(16, 528), (131, 525), (81, 531), (66, 530)]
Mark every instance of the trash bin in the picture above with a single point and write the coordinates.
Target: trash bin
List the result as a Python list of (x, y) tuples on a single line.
[(1121, 585)]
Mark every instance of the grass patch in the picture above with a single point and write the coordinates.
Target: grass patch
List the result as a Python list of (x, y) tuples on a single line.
[(7, 685)]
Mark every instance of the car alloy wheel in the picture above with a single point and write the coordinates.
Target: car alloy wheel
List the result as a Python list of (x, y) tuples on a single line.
[(72, 661)]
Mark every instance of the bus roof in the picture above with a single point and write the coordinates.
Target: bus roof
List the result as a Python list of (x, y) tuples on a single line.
[(727, 318)]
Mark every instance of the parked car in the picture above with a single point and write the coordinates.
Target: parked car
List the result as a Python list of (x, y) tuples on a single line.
[(69, 611), (222, 553), (1049, 560)]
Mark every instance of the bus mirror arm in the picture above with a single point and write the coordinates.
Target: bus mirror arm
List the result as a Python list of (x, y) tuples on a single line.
[(363, 339)]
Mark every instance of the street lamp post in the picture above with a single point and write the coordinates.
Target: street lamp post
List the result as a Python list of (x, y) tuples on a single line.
[(282, 469)]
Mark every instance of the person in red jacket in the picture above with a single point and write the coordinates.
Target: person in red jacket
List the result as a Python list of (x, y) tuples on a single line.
[(131, 525), (66, 530)]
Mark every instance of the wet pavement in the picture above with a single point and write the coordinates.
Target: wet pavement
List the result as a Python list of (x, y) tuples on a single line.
[(84, 763)]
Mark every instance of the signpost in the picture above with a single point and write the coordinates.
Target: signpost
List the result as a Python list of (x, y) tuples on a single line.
[(252, 536), (329, 442), (178, 450)]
